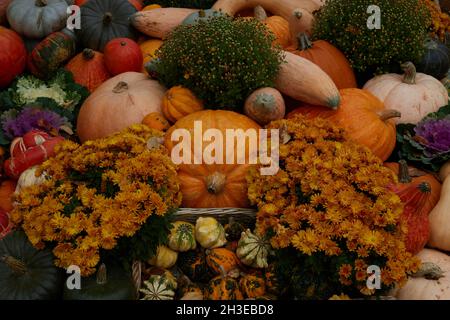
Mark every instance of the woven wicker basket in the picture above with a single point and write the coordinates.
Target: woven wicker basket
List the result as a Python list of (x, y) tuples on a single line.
[(245, 216)]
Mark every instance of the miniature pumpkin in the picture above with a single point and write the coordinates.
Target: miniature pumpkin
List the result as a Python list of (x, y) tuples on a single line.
[(123, 55), (37, 18), (7, 188), (432, 282), (112, 283), (436, 60), (148, 49), (103, 21), (89, 69), (178, 102), (193, 264), (25, 272), (209, 233), (414, 94), (358, 112), (417, 206), (440, 219), (221, 260), (252, 286), (51, 53), (233, 229), (157, 288), (164, 258), (211, 185), (13, 56), (279, 26), (117, 104), (156, 120), (182, 236), (328, 58), (253, 250), (265, 105), (223, 288)]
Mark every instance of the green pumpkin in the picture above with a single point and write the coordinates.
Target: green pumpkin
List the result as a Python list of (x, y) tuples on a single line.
[(25, 272), (108, 284), (103, 21), (253, 250), (51, 54)]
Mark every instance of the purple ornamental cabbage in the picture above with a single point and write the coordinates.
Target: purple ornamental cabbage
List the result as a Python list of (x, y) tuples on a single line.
[(434, 135)]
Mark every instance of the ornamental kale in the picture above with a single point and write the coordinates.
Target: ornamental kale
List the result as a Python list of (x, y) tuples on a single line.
[(426, 144)]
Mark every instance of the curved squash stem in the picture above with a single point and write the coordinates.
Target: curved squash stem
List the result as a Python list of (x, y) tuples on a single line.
[(102, 277), (386, 115), (410, 73), (429, 271), (215, 183), (17, 266), (259, 13), (403, 172)]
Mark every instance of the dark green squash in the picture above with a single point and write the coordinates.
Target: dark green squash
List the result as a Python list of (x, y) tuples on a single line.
[(111, 284), (25, 272), (51, 54), (104, 20), (436, 59), (193, 264)]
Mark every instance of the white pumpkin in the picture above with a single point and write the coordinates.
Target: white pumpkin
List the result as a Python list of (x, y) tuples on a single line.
[(420, 288), (413, 94)]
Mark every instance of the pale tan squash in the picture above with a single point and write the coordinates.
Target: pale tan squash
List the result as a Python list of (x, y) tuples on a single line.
[(304, 81), (300, 21), (157, 23), (440, 220)]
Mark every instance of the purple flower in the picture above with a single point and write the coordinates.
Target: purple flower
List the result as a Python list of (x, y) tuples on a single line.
[(434, 135), (32, 118)]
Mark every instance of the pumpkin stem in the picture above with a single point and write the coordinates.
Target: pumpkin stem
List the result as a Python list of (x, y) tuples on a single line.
[(215, 183), (107, 18), (102, 275), (88, 54), (16, 265), (386, 115), (120, 87), (41, 3), (259, 13), (303, 42), (410, 73), (429, 271), (403, 172)]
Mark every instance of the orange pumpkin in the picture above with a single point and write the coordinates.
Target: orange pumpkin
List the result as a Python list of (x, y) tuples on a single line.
[(156, 120), (221, 260), (88, 69), (117, 104), (178, 102), (328, 58), (148, 49), (252, 286), (7, 189), (212, 185), (151, 7), (279, 26), (364, 118)]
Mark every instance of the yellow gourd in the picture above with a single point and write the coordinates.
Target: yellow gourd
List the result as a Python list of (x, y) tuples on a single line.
[(209, 233), (165, 258)]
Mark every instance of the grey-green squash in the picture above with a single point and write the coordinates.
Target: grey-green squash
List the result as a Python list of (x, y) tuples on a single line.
[(253, 250)]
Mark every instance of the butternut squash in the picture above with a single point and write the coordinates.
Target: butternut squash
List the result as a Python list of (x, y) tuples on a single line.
[(158, 23), (304, 81), (440, 216), (282, 8)]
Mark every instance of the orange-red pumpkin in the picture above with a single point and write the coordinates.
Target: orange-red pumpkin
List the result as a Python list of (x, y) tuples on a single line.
[(213, 185), (89, 69), (123, 55), (7, 189), (364, 118), (328, 58), (221, 260), (13, 56)]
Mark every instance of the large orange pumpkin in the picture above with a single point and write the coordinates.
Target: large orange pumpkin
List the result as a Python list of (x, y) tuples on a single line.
[(13, 56), (148, 49), (117, 104), (88, 69), (364, 118), (328, 58), (178, 102), (212, 185), (7, 189)]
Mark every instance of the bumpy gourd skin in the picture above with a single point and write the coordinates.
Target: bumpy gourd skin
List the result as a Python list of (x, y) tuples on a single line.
[(41, 280)]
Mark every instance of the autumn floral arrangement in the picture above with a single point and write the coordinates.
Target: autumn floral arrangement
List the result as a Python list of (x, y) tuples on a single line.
[(329, 214), (105, 198)]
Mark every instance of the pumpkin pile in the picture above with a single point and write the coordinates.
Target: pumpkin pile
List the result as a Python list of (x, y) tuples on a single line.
[(209, 261), (99, 147)]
